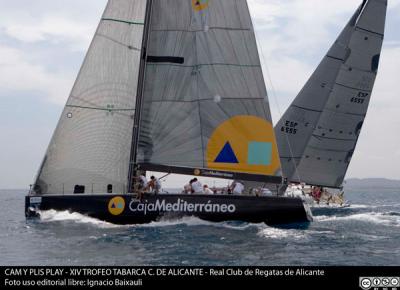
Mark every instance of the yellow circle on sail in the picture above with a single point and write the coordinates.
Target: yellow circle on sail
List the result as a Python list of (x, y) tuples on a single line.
[(244, 144), (199, 5), (116, 206)]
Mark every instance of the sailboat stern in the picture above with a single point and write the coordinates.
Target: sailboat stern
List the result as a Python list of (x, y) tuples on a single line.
[(32, 206)]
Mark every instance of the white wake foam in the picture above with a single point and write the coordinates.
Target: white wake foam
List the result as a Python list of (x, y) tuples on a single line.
[(164, 222), (57, 216), (370, 217), (357, 206), (194, 221), (275, 233)]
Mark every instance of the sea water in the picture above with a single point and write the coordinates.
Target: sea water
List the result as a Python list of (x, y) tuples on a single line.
[(366, 233)]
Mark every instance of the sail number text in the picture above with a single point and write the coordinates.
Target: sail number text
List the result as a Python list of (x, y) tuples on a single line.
[(290, 127), (360, 99)]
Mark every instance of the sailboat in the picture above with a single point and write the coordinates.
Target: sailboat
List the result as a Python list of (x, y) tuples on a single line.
[(166, 86), (177, 87), (318, 134)]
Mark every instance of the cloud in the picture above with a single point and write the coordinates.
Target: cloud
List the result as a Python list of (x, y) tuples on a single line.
[(38, 43), (55, 22), (297, 27), (55, 30), (18, 74)]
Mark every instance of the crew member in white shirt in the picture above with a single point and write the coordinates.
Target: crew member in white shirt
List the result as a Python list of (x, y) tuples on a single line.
[(238, 188), (197, 187)]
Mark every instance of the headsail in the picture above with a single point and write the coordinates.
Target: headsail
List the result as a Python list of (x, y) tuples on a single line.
[(205, 106), (91, 145), (318, 133)]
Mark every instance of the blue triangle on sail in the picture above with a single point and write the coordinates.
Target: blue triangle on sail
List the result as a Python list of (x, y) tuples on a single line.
[(226, 155), (113, 205)]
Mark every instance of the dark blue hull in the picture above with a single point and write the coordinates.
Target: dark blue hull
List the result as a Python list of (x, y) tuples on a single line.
[(127, 209)]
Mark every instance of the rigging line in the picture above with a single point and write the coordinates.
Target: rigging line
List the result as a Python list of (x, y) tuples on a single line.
[(274, 95)]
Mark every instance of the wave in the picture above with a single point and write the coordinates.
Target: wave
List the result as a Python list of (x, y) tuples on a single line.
[(356, 206), (166, 222), (361, 206), (194, 221), (276, 233), (388, 218), (58, 216)]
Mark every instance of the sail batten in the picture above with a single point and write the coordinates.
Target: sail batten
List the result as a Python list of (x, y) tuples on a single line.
[(324, 122), (130, 22)]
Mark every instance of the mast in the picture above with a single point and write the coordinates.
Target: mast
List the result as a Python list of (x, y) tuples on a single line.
[(139, 98)]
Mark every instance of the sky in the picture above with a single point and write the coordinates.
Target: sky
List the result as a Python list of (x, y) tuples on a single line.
[(43, 43)]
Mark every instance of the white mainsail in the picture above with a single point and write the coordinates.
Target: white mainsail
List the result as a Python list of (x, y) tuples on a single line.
[(205, 103)]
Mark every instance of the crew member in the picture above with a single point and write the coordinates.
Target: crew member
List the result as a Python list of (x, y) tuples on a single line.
[(197, 186), (237, 188), (207, 190), (154, 185)]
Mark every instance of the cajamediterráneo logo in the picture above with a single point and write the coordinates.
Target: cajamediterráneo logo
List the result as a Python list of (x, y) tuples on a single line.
[(116, 206), (180, 205)]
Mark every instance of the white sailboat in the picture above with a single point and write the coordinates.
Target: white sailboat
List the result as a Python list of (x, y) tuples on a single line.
[(318, 134), (169, 86), (176, 86)]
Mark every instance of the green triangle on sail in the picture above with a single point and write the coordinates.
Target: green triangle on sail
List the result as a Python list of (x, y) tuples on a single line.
[(227, 155)]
